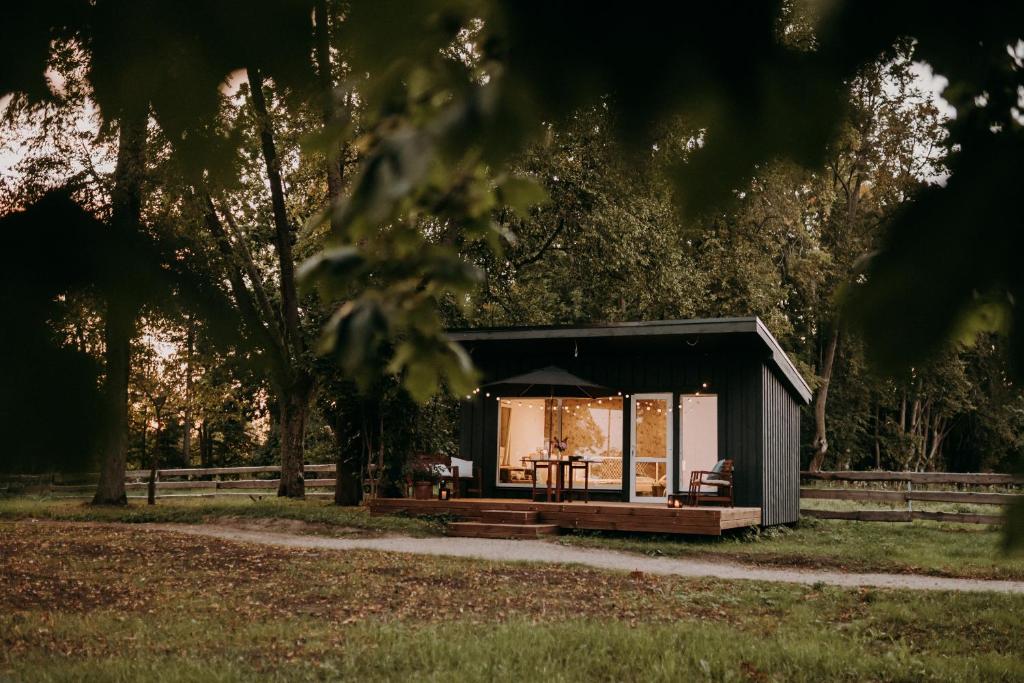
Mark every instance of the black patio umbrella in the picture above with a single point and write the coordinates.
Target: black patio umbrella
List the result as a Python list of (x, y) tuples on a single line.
[(550, 381)]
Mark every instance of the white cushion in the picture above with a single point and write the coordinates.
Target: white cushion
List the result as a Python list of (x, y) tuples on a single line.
[(441, 470), (465, 467)]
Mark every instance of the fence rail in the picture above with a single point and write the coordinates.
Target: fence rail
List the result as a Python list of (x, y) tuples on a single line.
[(908, 495), (185, 482), (981, 479), (210, 481)]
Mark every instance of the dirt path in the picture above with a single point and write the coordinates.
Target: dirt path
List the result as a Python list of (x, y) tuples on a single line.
[(542, 551)]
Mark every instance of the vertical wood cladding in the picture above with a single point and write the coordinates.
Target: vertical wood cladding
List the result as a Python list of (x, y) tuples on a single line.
[(781, 448), (758, 417)]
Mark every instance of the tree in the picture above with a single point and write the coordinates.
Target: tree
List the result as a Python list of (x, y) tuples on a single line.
[(122, 307), (454, 91)]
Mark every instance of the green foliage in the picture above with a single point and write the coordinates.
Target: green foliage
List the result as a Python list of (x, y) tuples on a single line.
[(438, 108)]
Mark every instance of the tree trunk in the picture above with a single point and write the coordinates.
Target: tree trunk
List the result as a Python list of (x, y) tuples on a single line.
[(323, 60), (878, 443), (284, 235), (186, 437), (820, 442), (294, 412), (348, 489), (154, 465), (145, 429), (205, 447), (295, 383), (118, 333), (122, 310)]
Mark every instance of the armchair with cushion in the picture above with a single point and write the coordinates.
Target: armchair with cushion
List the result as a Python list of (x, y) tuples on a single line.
[(713, 486), (460, 472), (455, 471)]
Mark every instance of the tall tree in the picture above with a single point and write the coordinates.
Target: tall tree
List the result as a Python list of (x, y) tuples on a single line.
[(122, 307), (294, 380)]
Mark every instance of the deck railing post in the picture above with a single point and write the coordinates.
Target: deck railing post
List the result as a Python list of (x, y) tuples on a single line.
[(910, 503)]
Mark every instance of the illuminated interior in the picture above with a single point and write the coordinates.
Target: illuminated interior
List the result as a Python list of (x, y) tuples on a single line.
[(538, 428), (652, 447), (698, 434)]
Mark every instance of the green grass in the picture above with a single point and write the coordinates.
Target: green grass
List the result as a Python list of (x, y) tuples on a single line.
[(81, 603), (920, 505), (320, 516), (961, 550)]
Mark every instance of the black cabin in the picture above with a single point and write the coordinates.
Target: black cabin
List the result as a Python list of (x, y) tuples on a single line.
[(647, 402)]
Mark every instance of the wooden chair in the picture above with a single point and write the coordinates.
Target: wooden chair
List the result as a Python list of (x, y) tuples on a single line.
[(474, 484), (720, 477)]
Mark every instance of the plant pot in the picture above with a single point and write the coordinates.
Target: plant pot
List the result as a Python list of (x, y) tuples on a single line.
[(423, 490)]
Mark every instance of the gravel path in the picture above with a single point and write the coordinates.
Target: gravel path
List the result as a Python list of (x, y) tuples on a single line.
[(544, 551)]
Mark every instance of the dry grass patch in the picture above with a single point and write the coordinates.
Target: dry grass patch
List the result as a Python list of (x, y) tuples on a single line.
[(93, 601)]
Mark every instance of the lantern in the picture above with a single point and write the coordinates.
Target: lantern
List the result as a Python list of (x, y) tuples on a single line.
[(676, 500), (442, 491)]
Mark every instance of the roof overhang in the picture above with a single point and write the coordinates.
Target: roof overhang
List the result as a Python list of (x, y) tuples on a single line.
[(667, 328)]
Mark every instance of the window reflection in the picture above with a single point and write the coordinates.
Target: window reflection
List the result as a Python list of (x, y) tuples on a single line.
[(538, 428)]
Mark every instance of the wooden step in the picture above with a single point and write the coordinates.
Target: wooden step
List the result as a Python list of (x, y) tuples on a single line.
[(491, 530), (509, 516)]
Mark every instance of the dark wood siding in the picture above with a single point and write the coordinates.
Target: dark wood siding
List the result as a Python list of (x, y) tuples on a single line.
[(781, 449), (740, 413), (758, 419)]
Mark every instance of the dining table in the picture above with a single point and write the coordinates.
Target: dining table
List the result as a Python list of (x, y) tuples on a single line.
[(563, 470)]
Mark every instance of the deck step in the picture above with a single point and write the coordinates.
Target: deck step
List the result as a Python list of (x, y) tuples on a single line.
[(491, 530), (509, 516)]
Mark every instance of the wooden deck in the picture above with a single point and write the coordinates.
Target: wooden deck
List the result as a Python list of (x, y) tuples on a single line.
[(704, 521)]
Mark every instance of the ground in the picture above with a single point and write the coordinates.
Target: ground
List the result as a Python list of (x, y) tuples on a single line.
[(109, 602), (940, 549)]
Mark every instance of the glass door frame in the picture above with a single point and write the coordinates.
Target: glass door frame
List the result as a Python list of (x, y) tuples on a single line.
[(670, 455)]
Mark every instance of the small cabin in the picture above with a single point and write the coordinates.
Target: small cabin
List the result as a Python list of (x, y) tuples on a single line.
[(646, 402)]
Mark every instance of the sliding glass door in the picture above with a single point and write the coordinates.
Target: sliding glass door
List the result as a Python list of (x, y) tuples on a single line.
[(651, 448)]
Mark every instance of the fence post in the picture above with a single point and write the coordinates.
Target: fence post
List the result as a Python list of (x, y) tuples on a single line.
[(910, 503)]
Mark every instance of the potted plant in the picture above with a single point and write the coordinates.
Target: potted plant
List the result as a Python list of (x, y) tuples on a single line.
[(423, 483)]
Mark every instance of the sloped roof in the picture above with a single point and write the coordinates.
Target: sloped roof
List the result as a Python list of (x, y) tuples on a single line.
[(680, 328)]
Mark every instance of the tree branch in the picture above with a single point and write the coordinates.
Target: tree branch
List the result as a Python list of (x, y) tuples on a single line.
[(284, 235), (540, 252), (243, 297)]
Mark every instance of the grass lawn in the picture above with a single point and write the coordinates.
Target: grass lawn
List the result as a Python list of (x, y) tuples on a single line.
[(316, 516), (960, 550), (101, 603)]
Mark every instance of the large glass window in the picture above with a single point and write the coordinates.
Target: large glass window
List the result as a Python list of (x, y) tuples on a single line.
[(537, 428), (698, 433)]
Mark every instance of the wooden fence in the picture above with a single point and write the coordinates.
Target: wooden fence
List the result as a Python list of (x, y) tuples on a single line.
[(905, 493), (869, 487), (189, 482)]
